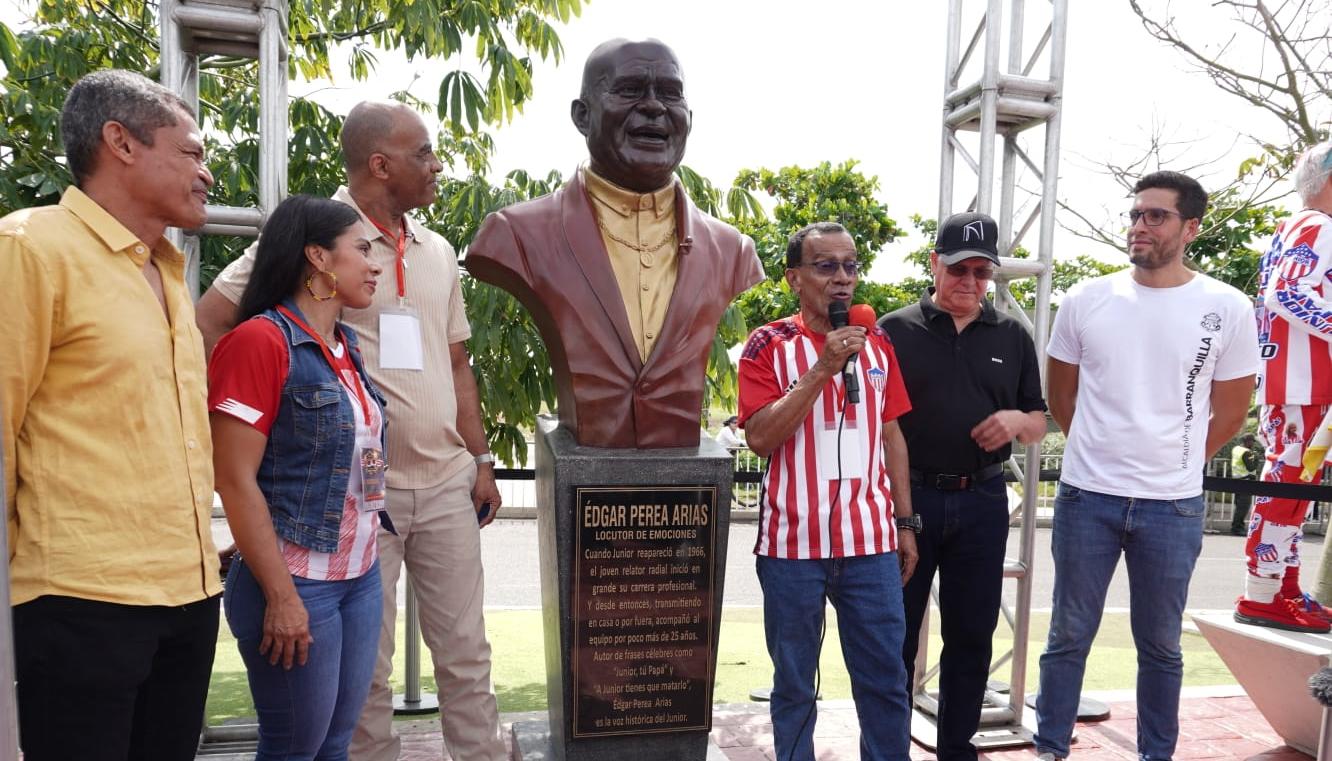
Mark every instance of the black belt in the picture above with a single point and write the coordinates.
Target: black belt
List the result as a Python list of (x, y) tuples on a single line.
[(955, 481)]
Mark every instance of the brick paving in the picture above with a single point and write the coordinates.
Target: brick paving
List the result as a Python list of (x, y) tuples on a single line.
[(1223, 727)]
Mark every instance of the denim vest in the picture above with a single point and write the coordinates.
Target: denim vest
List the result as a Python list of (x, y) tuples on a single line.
[(308, 460)]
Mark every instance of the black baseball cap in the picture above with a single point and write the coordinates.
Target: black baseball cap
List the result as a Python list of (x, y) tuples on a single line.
[(967, 235)]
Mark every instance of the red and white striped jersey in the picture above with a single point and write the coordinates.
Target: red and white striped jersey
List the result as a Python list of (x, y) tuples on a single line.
[(1295, 313), (825, 492)]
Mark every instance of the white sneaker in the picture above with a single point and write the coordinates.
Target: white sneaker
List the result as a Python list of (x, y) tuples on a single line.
[(1047, 756)]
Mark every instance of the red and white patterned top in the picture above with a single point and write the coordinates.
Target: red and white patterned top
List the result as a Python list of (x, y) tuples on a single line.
[(1295, 313), (246, 374), (819, 499)]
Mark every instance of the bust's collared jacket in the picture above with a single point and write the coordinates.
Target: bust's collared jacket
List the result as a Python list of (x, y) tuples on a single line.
[(308, 460), (548, 252)]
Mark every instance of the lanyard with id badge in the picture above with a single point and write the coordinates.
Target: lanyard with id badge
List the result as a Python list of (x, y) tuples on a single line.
[(372, 465), (400, 326)]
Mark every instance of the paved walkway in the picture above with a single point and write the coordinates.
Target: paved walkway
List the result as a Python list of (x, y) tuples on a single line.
[(1220, 725)]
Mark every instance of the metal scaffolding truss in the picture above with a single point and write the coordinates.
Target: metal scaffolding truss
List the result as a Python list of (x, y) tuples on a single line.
[(255, 29), (994, 105), (243, 29)]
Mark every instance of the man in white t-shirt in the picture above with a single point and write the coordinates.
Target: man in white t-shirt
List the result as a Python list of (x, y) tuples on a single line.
[(1150, 372)]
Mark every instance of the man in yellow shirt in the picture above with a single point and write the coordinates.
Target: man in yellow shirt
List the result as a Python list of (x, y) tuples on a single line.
[(108, 462)]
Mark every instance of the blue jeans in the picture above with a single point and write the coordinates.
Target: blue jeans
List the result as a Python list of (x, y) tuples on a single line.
[(1160, 540), (309, 712), (866, 592), (964, 538)]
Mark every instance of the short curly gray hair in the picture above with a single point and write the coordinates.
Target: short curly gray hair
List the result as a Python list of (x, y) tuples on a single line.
[(113, 95)]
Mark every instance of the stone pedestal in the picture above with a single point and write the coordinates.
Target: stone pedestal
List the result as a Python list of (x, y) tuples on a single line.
[(532, 741), (633, 552), (1274, 667)]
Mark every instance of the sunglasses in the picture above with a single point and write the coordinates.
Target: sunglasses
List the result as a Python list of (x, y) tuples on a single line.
[(1153, 217), (828, 267), (983, 272)]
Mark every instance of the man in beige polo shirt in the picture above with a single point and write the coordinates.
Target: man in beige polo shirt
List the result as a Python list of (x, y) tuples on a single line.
[(441, 473)]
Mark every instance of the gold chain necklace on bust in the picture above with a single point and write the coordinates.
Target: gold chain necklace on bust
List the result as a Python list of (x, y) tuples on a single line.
[(640, 248)]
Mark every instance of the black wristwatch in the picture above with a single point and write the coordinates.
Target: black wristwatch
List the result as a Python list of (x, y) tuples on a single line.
[(912, 522)]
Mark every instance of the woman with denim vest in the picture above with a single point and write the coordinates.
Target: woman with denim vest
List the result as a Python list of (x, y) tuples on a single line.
[(298, 431)]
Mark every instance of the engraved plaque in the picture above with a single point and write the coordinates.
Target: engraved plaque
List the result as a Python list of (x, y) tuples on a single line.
[(643, 609)]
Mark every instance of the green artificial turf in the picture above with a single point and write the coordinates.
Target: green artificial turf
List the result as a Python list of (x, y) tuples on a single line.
[(742, 661)]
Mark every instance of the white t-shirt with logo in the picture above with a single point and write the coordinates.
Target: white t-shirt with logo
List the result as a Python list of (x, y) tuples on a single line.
[(1146, 361)]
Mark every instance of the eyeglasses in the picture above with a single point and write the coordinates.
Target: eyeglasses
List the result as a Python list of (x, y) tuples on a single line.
[(960, 270), (828, 267), (1153, 217)]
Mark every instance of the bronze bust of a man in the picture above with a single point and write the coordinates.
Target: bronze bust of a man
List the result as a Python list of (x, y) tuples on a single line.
[(625, 278)]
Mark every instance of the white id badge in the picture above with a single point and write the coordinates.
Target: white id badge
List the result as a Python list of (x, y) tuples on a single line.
[(851, 454), (373, 470), (400, 341)]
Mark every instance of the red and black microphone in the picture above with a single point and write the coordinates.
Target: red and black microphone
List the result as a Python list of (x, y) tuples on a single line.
[(839, 316)]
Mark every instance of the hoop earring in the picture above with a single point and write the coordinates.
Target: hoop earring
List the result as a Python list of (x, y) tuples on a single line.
[(332, 285)]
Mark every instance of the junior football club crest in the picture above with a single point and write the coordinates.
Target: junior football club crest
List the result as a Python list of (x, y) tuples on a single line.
[(1265, 552), (877, 377), (1298, 262), (1211, 321)]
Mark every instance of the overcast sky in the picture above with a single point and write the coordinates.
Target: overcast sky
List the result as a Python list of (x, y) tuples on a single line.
[(774, 83), (778, 83)]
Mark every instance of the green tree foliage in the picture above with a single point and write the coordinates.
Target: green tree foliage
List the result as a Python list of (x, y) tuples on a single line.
[(1233, 233), (827, 192), (1066, 274), (509, 360), (69, 38), (493, 43), (736, 205)]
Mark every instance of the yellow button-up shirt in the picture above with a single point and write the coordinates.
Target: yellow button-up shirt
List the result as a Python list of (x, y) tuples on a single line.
[(639, 232), (108, 460)]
